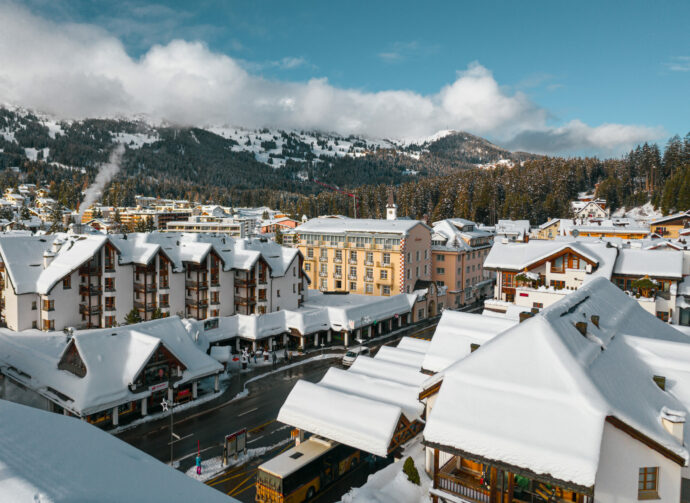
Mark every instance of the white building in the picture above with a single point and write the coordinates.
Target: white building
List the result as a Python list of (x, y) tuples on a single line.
[(57, 281), (586, 401)]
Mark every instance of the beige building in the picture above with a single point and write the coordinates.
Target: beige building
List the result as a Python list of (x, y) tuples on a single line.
[(365, 256)]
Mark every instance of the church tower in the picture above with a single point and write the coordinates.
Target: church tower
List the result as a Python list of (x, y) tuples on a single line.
[(391, 207)]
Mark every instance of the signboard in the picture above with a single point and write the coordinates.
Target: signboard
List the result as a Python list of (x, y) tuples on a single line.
[(236, 442), (158, 387), (351, 324)]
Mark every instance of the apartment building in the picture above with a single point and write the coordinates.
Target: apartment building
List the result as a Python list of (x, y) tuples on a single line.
[(582, 402), (236, 228), (539, 273), (365, 256), (458, 251), (92, 281)]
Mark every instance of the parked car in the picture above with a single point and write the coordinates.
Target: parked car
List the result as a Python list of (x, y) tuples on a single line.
[(353, 353)]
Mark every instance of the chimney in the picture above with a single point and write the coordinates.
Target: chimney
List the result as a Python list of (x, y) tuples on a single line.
[(673, 422), (48, 257), (525, 315), (581, 327)]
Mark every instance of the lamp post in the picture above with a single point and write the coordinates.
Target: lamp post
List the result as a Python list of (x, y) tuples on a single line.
[(170, 405)]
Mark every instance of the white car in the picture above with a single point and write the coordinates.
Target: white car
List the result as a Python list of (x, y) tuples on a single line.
[(353, 353)]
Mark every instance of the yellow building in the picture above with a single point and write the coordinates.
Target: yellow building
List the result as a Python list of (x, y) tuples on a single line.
[(365, 256), (671, 225)]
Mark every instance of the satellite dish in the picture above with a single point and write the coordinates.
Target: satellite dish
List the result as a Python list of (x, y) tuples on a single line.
[(576, 233)]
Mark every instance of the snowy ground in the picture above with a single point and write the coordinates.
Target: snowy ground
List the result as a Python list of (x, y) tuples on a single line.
[(213, 466), (644, 213), (391, 484)]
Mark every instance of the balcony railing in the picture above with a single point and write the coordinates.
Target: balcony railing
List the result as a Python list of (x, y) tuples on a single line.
[(84, 309), (369, 262), (90, 271), (196, 304), (244, 301), (323, 259), (463, 487), (215, 302), (196, 285), (323, 274), (352, 261), (384, 264), (338, 260), (243, 283), (369, 279), (351, 276), (89, 290), (145, 287), (148, 307), (337, 275), (263, 282)]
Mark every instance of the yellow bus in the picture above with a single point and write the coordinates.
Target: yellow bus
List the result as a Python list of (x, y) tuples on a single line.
[(298, 474)]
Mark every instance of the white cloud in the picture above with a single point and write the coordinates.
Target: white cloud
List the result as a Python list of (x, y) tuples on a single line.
[(678, 64), (77, 70)]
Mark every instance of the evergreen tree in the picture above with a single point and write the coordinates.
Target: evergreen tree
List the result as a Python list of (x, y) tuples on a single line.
[(132, 317)]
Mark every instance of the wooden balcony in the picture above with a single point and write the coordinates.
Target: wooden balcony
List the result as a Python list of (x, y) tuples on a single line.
[(196, 285), (145, 306), (244, 301), (84, 309), (245, 283), (90, 290), (196, 304), (145, 287)]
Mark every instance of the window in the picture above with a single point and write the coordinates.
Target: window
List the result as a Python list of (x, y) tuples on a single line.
[(324, 269), (370, 257), (294, 288), (324, 253), (338, 284), (558, 285), (538, 305), (310, 252), (110, 303), (467, 269), (417, 256), (353, 255), (277, 293), (386, 290), (67, 282), (369, 288), (384, 274), (386, 258), (353, 285), (440, 258), (34, 324), (416, 271), (49, 305), (338, 255), (408, 274), (33, 305), (557, 264), (662, 315), (420, 314), (353, 271), (110, 284), (440, 270), (426, 269), (307, 266), (369, 274), (323, 284), (648, 483), (48, 324), (338, 270)]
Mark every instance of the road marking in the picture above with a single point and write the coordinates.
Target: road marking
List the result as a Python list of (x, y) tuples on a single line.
[(233, 491), (262, 425), (247, 412)]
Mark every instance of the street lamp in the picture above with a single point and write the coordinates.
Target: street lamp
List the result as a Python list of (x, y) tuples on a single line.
[(173, 438)]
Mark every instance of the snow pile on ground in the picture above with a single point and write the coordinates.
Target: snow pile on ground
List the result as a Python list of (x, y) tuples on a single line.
[(213, 466), (391, 484)]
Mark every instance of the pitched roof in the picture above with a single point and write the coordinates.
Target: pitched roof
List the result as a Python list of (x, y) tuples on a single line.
[(367, 225), (537, 396), (654, 263)]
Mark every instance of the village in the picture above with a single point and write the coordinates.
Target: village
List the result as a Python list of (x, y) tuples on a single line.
[(505, 362)]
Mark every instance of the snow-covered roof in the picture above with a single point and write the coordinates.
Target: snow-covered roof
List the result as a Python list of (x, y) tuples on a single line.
[(456, 332), (518, 256), (368, 225), (412, 359), (512, 227), (653, 263), (356, 421), (113, 357), (414, 344), (668, 218), (383, 369), (48, 457), (454, 238), (537, 396)]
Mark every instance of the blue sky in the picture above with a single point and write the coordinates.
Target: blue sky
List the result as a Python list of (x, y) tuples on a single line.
[(570, 67)]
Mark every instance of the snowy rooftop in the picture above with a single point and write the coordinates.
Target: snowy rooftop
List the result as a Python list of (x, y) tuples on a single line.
[(360, 407), (368, 225), (47, 457), (671, 217), (113, 358), (654, 263), (537, 396), (456, 332), (455, 238), (518, 256)]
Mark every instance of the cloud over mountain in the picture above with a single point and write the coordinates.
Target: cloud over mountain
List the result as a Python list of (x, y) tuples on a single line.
[(79, 70)]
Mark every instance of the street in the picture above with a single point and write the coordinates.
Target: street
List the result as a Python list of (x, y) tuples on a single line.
[(208, 423)]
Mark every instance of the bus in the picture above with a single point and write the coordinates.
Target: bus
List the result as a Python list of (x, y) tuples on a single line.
[(298, 474)]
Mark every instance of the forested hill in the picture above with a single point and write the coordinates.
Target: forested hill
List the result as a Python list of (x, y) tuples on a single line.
[(451, 173)]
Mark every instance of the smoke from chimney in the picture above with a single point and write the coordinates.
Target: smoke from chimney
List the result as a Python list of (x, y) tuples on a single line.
[(105, 174)]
